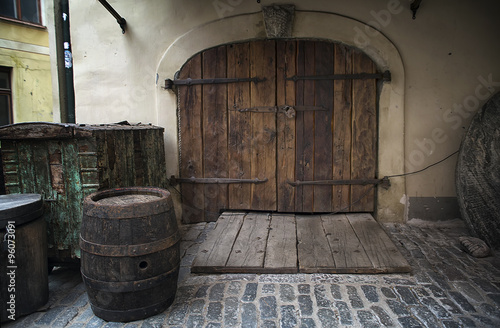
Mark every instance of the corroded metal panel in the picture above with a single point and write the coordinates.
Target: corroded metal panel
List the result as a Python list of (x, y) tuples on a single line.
[(65, 168)]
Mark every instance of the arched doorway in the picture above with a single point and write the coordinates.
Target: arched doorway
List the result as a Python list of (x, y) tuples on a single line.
[(276, 140)]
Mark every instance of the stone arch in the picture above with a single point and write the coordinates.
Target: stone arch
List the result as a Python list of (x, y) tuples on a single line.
[(306, 25)]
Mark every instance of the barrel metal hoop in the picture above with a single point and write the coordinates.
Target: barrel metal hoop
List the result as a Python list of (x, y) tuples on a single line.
[(131, 314), (128, 286), (128, 250)]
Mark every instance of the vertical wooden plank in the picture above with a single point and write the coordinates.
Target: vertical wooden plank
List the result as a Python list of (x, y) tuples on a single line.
[(26, 168), (58, 184), (299, 126), (304, 168), (215, 153), (240, 129), (161, 171), (41, 169), (10, 161), (249, 247), (323, 133), (150, 167), (129, 157), (138, 156), (121, 169), (347, 250), (382, 252), (281, 250), (342, 128), (102, 158), (111, 157), (191, 134), (285, 93), (263, 64), (88, 165), (364, 134), (313, 249), (69, 220), (216, 249)]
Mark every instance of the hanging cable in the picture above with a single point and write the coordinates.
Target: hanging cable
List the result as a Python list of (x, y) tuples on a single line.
[(425, 168), (342, 210)]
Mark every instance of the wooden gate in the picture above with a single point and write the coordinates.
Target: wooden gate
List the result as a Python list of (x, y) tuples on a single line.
[(287, 126)]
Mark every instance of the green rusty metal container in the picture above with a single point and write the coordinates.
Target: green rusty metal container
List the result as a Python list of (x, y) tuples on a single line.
[(66, 162)]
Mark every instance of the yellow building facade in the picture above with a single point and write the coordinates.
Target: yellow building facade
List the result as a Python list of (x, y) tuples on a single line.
[(25, 72)]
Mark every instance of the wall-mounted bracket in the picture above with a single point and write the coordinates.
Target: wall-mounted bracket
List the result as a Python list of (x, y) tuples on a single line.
[(414, 7), (119, 19)]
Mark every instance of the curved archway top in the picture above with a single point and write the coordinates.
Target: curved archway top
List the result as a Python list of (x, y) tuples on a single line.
[(306, 25)]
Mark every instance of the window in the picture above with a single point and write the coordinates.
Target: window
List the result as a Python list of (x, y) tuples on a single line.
[(5, 97), (23, 10)]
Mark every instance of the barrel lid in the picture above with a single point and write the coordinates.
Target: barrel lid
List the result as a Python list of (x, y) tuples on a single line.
[(128, 202), (21, 208)]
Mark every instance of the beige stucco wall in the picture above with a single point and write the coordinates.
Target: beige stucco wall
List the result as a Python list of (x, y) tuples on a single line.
[(444, 66), (25, 50)]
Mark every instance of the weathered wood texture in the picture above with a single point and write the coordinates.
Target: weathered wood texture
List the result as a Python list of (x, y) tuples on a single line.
[(219, 140), (364, 134), (313, 248), (66, 168), (288, 243), (215, 131), (342, 127), (477, 174), (285, 94), (281, 250), (217, 247), (32, 287), (263, 142), (130, 252), (191, 136), (240, 130)]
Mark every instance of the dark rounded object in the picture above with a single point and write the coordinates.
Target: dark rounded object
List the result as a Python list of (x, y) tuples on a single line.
[(23, 263), (130, 256), (478, 174)]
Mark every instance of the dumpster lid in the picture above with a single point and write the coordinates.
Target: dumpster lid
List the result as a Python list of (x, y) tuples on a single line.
[(21, 208), (48, 130)]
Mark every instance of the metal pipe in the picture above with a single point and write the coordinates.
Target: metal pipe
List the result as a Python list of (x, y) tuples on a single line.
[(119, 19), (68, 65)]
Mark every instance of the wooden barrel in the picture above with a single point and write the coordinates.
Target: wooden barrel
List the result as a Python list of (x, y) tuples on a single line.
[(478, 174), (130, 258), (23, 263)]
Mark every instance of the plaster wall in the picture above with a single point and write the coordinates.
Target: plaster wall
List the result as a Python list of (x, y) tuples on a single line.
[(25, 49), (444, 64)]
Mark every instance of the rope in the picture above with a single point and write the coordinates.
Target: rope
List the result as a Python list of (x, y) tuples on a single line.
[(425, 168)]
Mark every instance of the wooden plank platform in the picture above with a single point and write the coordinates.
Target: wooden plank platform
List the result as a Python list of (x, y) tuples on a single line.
[(254, 242)]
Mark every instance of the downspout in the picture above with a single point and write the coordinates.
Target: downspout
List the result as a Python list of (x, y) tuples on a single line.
[(64, 59)]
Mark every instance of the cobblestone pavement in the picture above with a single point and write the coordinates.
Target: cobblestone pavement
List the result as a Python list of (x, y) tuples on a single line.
[(447, 288)]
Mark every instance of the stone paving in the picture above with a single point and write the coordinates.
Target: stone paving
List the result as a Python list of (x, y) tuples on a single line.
[(447, 288)]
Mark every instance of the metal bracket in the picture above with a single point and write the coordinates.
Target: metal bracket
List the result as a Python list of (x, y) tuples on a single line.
[(414, 7), (169, 83), (119, 19), (385, 76), (175, 181)]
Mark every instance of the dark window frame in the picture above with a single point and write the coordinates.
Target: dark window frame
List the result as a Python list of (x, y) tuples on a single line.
[(19, 19), (8, 92)]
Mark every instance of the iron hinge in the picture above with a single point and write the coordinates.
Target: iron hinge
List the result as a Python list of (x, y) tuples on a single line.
[(169, 83), (175, 181), (384, 182), (385, 76)]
